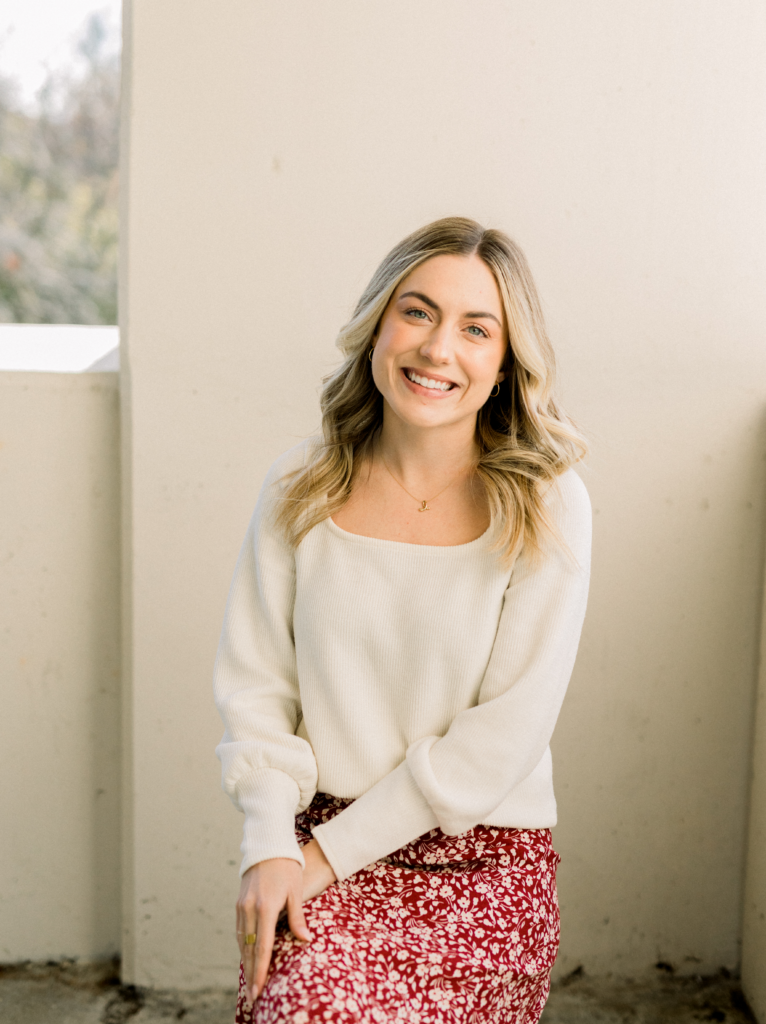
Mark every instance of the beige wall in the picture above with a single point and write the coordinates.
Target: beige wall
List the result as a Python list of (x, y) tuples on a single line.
[(59, 666), (275, 153)]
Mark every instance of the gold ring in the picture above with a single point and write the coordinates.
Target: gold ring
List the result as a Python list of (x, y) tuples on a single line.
[(250, 939)]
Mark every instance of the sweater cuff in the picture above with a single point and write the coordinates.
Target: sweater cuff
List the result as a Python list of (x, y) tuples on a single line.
[(388, 816), (269, 797)]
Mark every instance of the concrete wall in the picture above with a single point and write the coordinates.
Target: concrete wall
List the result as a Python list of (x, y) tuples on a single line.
[(275, 153), (59, 666)]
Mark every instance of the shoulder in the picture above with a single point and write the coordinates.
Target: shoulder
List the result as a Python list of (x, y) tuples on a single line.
[(568, 496), (276, 481), (266, 534), (288, 464), (569, 507)]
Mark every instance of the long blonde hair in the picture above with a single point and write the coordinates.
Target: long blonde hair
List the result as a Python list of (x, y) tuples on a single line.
[(525, 441)]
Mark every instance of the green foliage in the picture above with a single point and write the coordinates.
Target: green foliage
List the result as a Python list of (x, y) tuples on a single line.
[(58, 196)]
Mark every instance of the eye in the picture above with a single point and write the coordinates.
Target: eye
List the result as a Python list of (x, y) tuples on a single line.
[(478, 332), (416, 313)]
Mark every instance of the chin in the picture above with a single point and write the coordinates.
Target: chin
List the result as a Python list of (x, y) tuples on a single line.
[(425, 418)]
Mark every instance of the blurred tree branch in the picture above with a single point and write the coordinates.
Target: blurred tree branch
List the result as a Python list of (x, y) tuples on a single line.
[(58, 195)]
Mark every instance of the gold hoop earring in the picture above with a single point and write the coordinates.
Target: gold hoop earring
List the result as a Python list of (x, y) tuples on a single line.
[(493, 393), (369, 354)]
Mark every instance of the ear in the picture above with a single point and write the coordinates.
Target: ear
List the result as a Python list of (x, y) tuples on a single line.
[(501, 376)]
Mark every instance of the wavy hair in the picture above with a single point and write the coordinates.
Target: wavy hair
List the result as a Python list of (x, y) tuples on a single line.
[(524, 439)]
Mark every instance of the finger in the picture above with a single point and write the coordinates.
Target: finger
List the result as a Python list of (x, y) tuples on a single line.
[(240, 934), (248, 962), (264, 946), (247, 950), (296, 919)]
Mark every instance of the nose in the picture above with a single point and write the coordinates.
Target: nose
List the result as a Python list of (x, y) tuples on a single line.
[(437, 347)]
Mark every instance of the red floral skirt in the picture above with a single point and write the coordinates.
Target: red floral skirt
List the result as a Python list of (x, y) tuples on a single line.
[(448, 929)]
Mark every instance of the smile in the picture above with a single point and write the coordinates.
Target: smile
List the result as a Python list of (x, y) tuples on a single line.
[(429, 382)]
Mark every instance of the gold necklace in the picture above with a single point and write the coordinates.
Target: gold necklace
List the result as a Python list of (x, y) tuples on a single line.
[(424, 506)]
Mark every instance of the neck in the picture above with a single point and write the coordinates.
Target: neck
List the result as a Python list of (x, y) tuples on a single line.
[(423, 454)]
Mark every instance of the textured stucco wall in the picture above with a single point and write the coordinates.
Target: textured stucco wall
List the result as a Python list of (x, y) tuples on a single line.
[(59, 666), (275, 153)]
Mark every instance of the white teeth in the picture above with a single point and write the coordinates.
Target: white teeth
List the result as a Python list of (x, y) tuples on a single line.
[(426, 382)]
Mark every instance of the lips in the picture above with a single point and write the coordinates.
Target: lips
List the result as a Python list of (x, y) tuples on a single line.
[(429, 382)]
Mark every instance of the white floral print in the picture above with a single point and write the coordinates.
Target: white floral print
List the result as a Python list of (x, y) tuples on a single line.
[(448, 930)]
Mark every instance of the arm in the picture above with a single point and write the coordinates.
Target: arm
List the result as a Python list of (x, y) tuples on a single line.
[(268, 771), (457, 780)]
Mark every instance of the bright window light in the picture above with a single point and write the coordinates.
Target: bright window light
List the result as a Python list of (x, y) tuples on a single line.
[(57, 348)]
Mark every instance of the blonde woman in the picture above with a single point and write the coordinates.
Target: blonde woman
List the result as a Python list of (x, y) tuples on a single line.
[(400, 632)]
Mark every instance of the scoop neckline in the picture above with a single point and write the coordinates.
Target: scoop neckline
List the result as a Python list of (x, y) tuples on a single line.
[(360, 537)]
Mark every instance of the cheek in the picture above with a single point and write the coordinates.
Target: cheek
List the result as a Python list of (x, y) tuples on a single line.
[(393, 345), (486, 365), (384, 362), (394, 339)]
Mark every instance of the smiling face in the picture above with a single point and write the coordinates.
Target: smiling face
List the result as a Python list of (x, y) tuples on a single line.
[(440, 343)]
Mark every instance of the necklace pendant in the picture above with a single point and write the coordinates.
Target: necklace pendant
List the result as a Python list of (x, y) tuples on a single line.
[(424, 507)]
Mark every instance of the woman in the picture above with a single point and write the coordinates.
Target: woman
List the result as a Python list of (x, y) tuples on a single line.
[(400, 632)]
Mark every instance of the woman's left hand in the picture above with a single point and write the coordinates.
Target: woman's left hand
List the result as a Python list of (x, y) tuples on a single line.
[(317, 875)]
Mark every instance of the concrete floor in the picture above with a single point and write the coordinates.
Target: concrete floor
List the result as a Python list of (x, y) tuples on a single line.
[(658, 999), (67, 993), (71, 994)]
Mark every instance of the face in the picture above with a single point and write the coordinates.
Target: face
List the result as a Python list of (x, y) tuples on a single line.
[(441, 342)]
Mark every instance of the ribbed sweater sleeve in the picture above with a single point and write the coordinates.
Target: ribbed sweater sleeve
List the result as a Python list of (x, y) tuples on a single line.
[(268, 771), (457, 780)]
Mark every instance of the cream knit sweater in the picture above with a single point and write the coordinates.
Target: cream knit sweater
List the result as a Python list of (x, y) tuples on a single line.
[(423, 681)]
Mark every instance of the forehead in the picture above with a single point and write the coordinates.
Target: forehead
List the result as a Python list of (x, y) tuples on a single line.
[(456, 281)]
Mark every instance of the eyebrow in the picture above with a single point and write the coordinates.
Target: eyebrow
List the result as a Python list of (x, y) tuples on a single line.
[(433, 305)]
